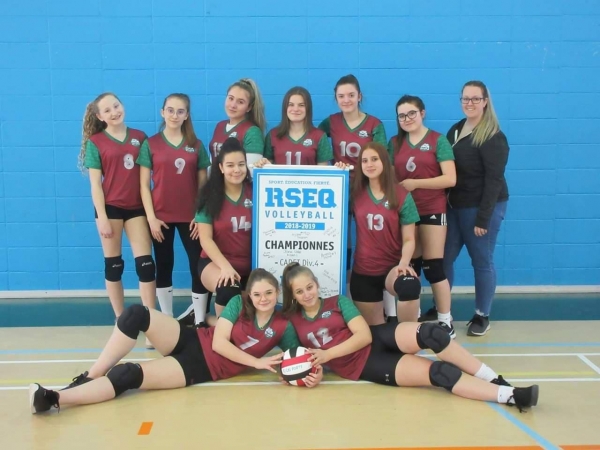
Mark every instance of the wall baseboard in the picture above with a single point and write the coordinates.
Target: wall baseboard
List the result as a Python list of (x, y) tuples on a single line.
[(549, 289)]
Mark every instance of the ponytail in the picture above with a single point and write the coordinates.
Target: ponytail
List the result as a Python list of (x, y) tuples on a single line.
[(257, 107), (91, 126)]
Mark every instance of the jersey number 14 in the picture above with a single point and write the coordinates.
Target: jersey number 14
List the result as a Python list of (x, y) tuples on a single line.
[(239, 223)]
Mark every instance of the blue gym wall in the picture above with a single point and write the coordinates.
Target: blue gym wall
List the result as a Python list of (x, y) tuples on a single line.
[(540, 58)]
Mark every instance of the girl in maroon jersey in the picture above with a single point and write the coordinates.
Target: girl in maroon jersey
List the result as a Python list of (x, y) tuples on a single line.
[(350, 130), (248, 329), (338, 336), (224, 222), (424, 166), (108, 150), (175, 160), (296, 141), (385, 216), (246, 120)]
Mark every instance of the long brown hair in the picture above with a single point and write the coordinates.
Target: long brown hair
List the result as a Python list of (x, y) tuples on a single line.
[(91, 126), (488, 125), (387, 179), (291, 271), (248, 309), (187, 127), (257, 107), (284, 127)]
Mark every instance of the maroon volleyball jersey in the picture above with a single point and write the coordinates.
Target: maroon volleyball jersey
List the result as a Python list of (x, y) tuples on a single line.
[(422, 161), (310, 149), (347, 142), (328, 329), (221, 134), (232, 230), (116, 159), (246, 336), (378, 232), (175, 176)]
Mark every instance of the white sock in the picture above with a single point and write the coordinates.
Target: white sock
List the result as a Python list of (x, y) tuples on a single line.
[(419, 312), (445, 317), (389, 304), (504, 394), (485, 373), (199, 301), (165, 300)]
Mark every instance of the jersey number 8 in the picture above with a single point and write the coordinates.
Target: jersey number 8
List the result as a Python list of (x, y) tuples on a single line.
[(128, 161)]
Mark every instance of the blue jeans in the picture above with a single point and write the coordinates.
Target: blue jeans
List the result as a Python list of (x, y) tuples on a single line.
[(461, 223)]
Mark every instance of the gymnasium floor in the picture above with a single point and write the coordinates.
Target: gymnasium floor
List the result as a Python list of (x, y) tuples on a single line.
[(255, 412)]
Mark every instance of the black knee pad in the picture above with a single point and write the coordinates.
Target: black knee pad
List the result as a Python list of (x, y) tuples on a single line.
[(226, 293), (125, 376), (145, 269), (433, 269), (444, 374), (432, 336), (134, 319), (417, 264), (113, 268), (407, 288)]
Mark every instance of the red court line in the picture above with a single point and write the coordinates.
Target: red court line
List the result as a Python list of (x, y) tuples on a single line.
[(145, 428), (581, 447)]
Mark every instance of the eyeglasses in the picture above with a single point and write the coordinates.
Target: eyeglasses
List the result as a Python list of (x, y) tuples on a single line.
[(474, 100), (178, 112), (409, 115)]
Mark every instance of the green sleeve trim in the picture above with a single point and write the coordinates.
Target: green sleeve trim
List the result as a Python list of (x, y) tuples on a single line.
[(324, 150), (254, 142), (444, 150), (390, 149), (92, 156), (409, 213), (289, 339), (326, 126), (268, 153), (144, 159), (349, 311), (203, 160), (379, 134), (233, 309), (203, 217)]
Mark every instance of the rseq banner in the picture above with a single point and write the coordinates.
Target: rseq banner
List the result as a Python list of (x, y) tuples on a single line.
[(301, 214)]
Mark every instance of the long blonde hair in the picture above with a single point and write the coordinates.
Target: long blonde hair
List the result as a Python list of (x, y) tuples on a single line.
[(91, 126), (257, 112), (488, 125)]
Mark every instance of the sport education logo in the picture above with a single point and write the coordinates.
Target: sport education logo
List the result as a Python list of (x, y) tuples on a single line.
[(363, 134), (307, 142), (424, 148), (135, 142), (190, 149), (269, 333)]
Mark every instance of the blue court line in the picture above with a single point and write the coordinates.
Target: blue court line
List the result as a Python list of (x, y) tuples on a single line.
[(545, 444), (466, 345)]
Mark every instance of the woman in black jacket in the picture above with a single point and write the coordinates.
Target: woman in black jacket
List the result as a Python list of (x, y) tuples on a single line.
[(477, 204)]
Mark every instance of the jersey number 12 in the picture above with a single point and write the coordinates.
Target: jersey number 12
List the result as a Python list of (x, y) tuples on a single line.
[(323, 333)]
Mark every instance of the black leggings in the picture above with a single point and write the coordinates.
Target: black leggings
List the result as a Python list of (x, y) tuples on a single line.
[(165, 256)]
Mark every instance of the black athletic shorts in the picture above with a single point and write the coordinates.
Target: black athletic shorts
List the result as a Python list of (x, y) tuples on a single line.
[(367, 288), (116, 213), (203, 262), (381, 364), (433, 219), (190, 356)]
